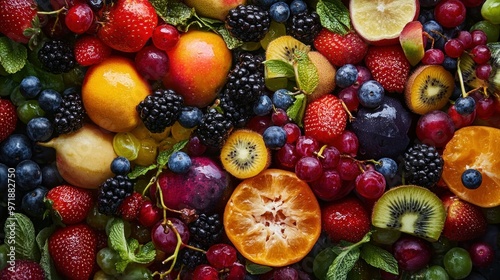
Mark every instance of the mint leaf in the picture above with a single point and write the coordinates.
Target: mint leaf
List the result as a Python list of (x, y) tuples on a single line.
[(117, 238), (146, 253), (379, 258), (43, 235), (297, 109), (141, 170), (306, 73), (163, 156), (173, 12), (348, 255), (13, 55), (322, 262), (279, 68), (231, 42), (256, 269), (334, 16), (47, 264), (21, 228)]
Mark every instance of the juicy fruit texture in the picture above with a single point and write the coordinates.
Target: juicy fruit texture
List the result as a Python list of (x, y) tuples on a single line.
[(410, 209), (15, 17), (464, 221), (283, 48), (326, 74), (388, 66), (412, 41), (325, 119), (428, 88), (111, 91), (381, 22), (199, 65), (216, 9), (340, 49), (475, 147), (273, 218), (8, 118), (244, 154), (70, 203)]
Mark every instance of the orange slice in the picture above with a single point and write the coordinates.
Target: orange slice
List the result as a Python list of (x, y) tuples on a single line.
[(474, 147), (273, 218)]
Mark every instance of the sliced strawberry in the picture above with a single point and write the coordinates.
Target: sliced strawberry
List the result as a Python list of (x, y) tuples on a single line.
[(389, 66), (70, 204), (15, 17), (8, 118), (464, 221), (325, 119), (90, 50), (129, 209), (340, 49)]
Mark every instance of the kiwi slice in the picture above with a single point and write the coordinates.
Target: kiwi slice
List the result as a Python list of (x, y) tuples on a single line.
[(244, 154), (428, 88), (283, 48), (410, 209), (468, 69)]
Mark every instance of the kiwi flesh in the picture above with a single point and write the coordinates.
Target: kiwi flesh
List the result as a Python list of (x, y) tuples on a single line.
[(244, 154), (283, 48), (428, 88), (410, 209), (468, 69)]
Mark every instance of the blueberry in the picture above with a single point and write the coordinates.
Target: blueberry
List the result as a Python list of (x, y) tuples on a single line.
[(274, 137), (450, 64), (465, 105), (435, 30), (4, 175), (33, 202), (282, 99), (387, 167), (190, 117), (426, 15), (264, 3), (39, 129), (49, 100), (279, 12), (120, 166), (179, 162), (51, 176), (297, 7), (346, 75), (263, 105), (30, 87), (28, 175), (472, 178), (14, 149), (371, 94)]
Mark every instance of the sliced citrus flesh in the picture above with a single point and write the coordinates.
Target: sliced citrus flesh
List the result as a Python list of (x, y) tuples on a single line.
[(475, 147), (382, 19), (273, 219)]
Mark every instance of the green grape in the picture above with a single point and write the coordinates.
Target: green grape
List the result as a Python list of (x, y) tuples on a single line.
[(147, 152), (107, 259), (96, 219), (492, 30), (28, 110), (385, 236), (276, 83), (100, 275), (136, 272), (436, 272), (7, 86), (250, 46), (491, 11), (126, 145), (3, 256), (16, 97), (275, 30), (179, 132), (442, 245), (457, 263), (492, 214)]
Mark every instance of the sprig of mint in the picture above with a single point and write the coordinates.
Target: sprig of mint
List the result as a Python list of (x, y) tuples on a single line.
[(13, 56), (129, 250), (379, 258), (306, 73), (280, 68), (297, 109), (20, 235), (334, 16)]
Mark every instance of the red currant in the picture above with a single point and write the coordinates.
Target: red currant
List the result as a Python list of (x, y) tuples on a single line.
[(165, 36), (79, 18)]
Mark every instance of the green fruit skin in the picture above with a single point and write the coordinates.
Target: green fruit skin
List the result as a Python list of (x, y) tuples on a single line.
[(492, 30), (436, 272), (491, 11), (457, 263)]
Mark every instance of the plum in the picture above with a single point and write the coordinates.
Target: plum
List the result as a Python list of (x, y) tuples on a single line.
[(382, 131), (202, 187)]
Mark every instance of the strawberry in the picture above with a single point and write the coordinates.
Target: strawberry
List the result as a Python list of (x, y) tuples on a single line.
[(325, 119), (8, 118), (23, 269), (128, 25), (90, 50), (15, 17), (70, 204), (464, 221), (340, 49), (345, 219), (129, 209), (73, 249), (389, 66)]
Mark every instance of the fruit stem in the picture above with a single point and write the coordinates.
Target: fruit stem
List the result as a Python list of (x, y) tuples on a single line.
[(351, 117), (461, 79), (56, 12), (319, 153), (172, 257)]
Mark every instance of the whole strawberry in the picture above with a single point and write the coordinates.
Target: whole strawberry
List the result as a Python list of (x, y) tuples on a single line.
[(73, 249), (129, 209), (70, 204), (340, 49), (464, 221), (90, 50), (325, 119), (128, 25), (345, 219), (23, 270), (389, 66), (15, 17), (8, 118)]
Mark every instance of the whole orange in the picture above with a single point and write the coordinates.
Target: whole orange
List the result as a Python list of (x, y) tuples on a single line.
[(199, 65), (111, 91)]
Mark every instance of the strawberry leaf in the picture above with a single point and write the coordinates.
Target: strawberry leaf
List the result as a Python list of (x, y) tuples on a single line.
[(379, 258), (173, 12), (297, 109), (306, 73), (13, 56), (279, 68), (334, 16), (20, 235)]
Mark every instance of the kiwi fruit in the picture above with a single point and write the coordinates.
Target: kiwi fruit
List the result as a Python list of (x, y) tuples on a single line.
[(326, 74), (428, 88), (468, 69), (410, 209), (283, 48), (244, 154)]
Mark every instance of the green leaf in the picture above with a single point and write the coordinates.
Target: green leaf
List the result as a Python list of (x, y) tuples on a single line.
[(306, 73), (47, 264), (379, 258), (231, 42), (141, 170), (146, 253), (279, 68), (163, 156), (322, 262), (20, 234), (334, 16), (117, 238), (43, 235), (297, 109), (173, 12), (13, 55), (342, 264), (256, 269)]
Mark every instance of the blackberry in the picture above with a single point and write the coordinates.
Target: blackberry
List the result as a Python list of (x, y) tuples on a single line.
[(57, 56), (304, 27), (248, 23), (238, 114), (206, 230), (422, 165), (214, 128), (112, 193), (192, 258), (245, 82), (160, 110), (70, 115)]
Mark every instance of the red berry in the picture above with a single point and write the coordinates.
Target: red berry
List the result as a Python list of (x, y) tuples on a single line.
[(450, 13), (340, 49), (8, 118), (149, 214), (388, 66), (221, 255), (205, 272), (79, 18), (325, 119), (165, 36), (90, 50)]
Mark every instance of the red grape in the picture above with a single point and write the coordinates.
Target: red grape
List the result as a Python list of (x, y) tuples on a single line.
[(292, 132), (286, 156), (221, 255), (164, 237), (308, 169), (165, 36), (79, 18), (329, 186), (350, 97), (480, 54), (412, 253), (152, 63), (347, 143), (205, 272), (370, 184), (330, 157), (306, 146), (454, 48), (450, 13)]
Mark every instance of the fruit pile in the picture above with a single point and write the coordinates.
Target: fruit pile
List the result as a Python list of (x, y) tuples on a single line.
[(249, 139)]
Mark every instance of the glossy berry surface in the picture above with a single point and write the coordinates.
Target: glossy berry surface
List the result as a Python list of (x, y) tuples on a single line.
[(472, 178), (412, 253), (371, 94), (450, 13)]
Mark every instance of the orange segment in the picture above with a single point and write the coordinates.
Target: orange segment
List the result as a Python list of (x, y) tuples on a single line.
[(273, 218), (474, 147)]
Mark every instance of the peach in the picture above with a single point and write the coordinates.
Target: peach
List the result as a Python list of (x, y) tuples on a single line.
[(216, 9), (412, 41)]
